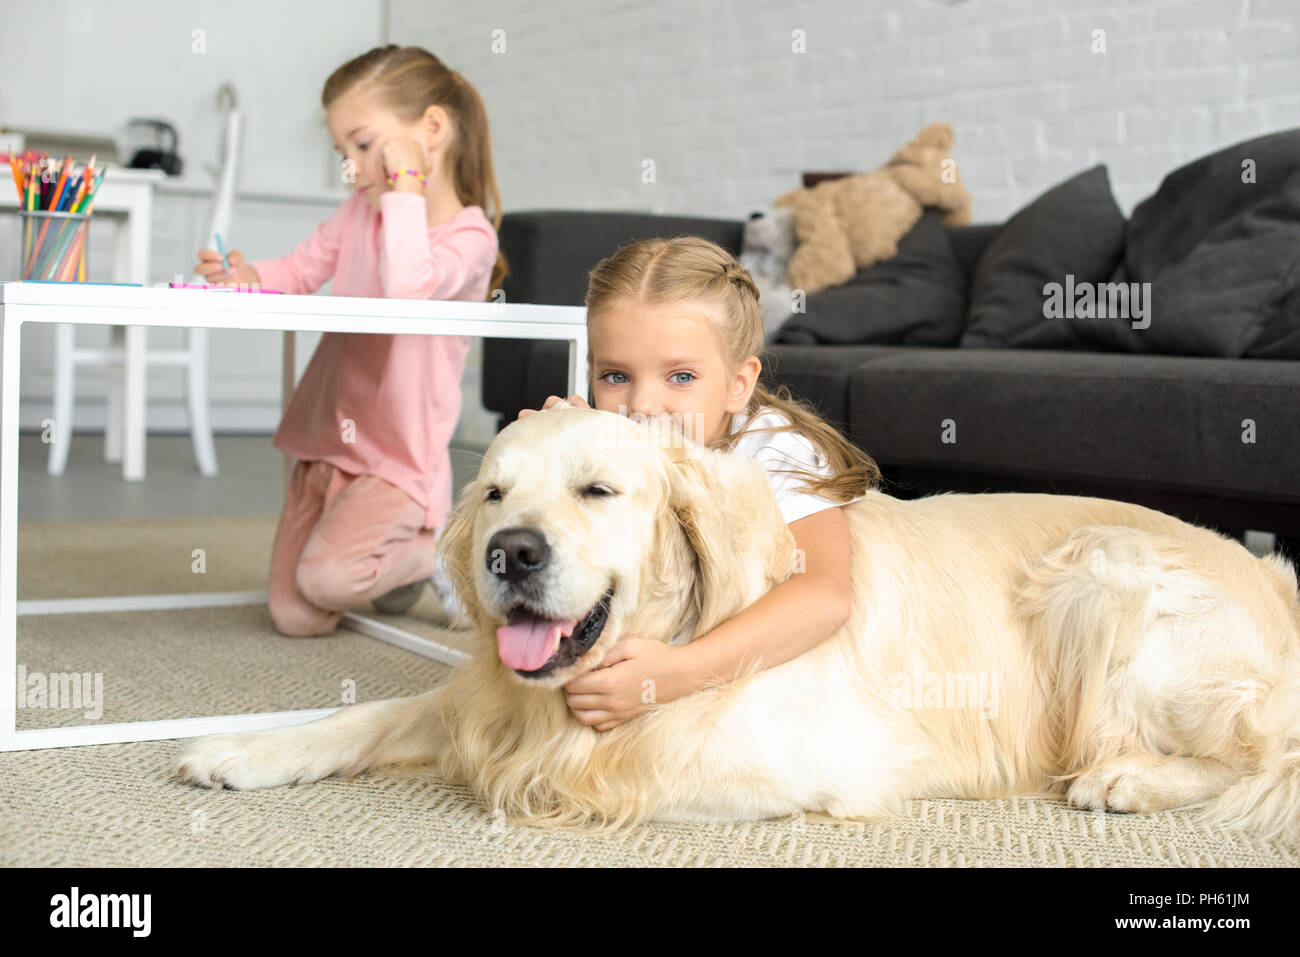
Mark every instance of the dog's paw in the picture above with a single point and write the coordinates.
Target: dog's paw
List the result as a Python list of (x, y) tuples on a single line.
[(1125, 786), (245, 762)]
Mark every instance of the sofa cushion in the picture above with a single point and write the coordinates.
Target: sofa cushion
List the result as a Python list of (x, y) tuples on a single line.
[(1215, 257), (1222, 253), (1217, 426), (1074, 229), (916, 297)]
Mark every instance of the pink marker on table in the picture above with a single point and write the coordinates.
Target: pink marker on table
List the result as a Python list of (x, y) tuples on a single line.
[(240, 288)]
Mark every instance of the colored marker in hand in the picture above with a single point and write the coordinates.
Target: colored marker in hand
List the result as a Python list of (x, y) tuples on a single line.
[(221, 248)]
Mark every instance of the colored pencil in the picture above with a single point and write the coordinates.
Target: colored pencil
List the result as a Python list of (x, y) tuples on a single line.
[(74, 195), (18, 179), (75, 191), (39, 185), (79, 200), (27, 229), (56, 194), (94, 191), (87, 175)]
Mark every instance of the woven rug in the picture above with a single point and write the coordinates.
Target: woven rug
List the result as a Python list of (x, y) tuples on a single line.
[(115, 805)]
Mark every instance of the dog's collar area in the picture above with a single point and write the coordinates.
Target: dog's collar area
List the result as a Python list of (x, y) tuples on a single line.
[(579, 642)]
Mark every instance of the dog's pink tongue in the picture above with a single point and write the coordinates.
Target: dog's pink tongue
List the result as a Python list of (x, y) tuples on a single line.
[(527, 642)]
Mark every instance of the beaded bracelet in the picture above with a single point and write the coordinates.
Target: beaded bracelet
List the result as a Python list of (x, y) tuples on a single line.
[(392, 180)]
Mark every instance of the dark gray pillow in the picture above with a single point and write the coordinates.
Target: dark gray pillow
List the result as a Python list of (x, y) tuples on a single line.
[(1215, 260), (1223, 255), (1073, 230), (917, 297)]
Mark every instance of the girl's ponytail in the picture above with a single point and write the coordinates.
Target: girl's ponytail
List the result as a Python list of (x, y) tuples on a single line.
[(475, 177)]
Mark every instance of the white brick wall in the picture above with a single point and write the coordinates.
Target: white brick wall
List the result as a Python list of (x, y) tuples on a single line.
[(712, 93)]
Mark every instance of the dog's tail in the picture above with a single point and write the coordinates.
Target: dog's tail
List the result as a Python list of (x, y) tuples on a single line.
[(1267, 801)]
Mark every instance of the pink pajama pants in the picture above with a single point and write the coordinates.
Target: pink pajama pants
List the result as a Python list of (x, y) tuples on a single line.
[(342, 540)]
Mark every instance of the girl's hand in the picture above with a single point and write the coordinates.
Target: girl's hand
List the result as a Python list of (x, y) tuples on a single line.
[(403, 153), (574, 400), (637, 674), (215, 274)]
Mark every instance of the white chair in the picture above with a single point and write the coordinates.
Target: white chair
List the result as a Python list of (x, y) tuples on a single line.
[(127, 358), (122, 426)]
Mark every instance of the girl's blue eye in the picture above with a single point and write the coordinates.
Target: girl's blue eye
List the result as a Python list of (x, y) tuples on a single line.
[(608, 377), (688, 381)]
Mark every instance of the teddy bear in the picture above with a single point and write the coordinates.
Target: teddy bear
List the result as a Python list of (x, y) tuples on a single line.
[(843, 225)]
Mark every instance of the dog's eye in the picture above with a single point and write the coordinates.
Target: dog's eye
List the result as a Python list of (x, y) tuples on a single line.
[(598, 490), (493, 494)]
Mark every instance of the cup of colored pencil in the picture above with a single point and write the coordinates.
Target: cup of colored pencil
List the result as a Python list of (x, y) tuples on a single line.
[(55, 205)]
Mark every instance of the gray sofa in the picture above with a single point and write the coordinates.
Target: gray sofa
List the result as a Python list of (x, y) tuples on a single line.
[(1159, 430)]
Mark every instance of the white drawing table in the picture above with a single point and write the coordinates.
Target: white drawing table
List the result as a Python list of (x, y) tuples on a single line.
[(89, 304)]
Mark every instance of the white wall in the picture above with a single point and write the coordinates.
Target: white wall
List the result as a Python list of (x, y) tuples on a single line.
[(98, 64), (711, 91)]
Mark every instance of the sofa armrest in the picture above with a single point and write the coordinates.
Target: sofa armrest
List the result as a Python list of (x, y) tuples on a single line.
[(549, 253)]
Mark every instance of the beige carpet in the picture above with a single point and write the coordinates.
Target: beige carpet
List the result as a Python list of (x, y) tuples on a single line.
[(118, 805)]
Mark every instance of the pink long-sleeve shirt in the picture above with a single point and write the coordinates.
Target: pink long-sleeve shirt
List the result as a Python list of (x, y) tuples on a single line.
[(385, 405)]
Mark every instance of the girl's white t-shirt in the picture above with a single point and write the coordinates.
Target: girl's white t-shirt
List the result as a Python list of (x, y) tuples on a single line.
[(783, 450)]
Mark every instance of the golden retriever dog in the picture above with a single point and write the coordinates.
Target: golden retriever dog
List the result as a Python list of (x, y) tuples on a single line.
[(997, 645)]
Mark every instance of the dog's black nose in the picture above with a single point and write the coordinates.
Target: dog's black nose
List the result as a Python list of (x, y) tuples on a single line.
[(516, 553)]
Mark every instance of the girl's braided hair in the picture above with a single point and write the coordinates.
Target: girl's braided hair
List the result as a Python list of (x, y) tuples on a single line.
[(656, 271)]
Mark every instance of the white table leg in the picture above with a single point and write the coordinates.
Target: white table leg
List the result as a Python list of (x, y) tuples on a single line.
[(133, 425), (125, 269), (124, 432), (65, 386), (113, 400), (196, 388), (138, 230), (288, 378), (11, 332)]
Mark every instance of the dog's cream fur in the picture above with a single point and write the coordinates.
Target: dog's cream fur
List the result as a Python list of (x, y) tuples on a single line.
[(1137, 662)]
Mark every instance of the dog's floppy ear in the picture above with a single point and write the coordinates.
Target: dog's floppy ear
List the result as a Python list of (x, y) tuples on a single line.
[(724, 503), (456, 546)]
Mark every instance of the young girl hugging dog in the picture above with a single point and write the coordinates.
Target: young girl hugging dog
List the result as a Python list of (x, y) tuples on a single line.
[(675, 329)]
